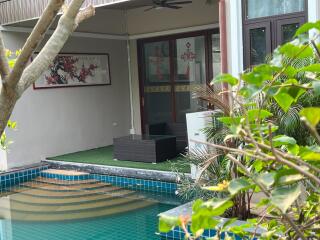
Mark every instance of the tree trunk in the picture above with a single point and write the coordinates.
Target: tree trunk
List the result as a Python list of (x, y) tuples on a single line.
[(8, 100)]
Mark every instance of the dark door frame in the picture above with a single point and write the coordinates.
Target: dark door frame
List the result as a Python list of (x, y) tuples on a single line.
[(172, 47)]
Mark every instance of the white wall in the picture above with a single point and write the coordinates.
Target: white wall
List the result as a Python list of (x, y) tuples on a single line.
[(59, 121)]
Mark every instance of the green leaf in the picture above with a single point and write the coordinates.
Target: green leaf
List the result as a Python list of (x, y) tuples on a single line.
[(316, 88), (263, 202), (249, 91), (283, 140), (259, 74), (255, 114), (225, 78), (227, 223), (12, 63), (283, 197), (312, 114), (266, 179), (230, 120), (239, 184), (217, 206), (268, 235), (203, 213), (311, 68), (309, 153), (167, 223), (290, 71), (296, 51), (287, 176), (307, 27), (293, 149), (284, 100)]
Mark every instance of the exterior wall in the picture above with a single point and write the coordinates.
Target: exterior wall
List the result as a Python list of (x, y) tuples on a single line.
[(196, 14), (63, 120)]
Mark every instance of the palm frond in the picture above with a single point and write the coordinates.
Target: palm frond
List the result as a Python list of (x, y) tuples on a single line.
[(212, 96)]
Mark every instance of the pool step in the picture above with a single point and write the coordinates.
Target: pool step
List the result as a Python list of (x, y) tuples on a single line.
[(62, 188), (54, 194), (35, 200), (87, 206), (52, 199), (53, 216), (59, 182)]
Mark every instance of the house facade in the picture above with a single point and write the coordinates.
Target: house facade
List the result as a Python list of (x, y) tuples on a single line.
[(157, 57)]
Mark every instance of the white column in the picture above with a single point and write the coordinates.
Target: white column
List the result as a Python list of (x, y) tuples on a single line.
[(313, 10), (3, 160), (234, 36)]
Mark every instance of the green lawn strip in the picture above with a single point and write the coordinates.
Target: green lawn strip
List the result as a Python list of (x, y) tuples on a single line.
[(104, 156)]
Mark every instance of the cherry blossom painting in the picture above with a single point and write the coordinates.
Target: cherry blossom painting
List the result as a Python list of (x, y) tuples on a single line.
[(71, 70)]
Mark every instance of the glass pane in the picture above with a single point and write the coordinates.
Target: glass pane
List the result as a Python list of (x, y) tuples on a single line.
[(157, 86), (265, 8), (258, 48), (216, 56), (191, 72), (288, 31)]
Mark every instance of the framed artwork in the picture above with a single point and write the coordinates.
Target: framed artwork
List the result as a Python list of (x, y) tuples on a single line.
[(76, 70)]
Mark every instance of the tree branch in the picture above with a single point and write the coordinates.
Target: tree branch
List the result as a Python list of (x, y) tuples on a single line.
[(266, 192), (33, 41), (66, 26), (86, 13), (4, 66)]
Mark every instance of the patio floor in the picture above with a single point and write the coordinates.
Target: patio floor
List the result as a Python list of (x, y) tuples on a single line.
[(104, 156)]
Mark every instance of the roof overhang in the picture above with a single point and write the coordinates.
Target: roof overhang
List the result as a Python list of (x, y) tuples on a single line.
[(15, 11)]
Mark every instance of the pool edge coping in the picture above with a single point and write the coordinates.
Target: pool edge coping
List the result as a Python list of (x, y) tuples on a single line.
[(147, 174)]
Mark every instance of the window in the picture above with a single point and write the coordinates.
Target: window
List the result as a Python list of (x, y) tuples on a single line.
[(267, 8), (268, 24)]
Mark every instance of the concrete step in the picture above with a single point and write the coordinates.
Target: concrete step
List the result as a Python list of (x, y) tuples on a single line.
[(64, 172), (45, 201), (64, 188), (64, 182), (38, 217), (64, 209), (53, 194)]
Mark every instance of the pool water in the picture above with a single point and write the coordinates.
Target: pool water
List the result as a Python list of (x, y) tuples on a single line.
[(49, 209)]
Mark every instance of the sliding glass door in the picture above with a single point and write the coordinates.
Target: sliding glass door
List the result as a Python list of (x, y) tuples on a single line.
[(170, 69)]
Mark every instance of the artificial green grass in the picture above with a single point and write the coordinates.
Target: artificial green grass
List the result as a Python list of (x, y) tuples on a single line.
[(104, 156)]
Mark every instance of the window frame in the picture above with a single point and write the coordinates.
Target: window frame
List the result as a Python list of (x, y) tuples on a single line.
[(247, 43), (280, 16), (172, 45), (248, 24)]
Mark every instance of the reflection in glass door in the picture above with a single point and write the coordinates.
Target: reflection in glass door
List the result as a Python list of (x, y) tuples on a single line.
[(190, 62), (157, 82)]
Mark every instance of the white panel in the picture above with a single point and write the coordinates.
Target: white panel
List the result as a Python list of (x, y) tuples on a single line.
[(195, 123)]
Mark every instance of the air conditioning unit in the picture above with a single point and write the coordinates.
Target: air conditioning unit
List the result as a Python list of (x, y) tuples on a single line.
[(196, 122)]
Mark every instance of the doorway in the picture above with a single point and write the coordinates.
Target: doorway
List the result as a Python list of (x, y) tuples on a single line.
[(170, 69)]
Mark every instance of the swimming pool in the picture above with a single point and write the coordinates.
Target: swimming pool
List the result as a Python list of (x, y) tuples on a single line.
[(88, 209)]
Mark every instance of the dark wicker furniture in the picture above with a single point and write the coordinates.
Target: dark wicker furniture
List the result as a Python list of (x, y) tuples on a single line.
[(175, 129), (144, 148)]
